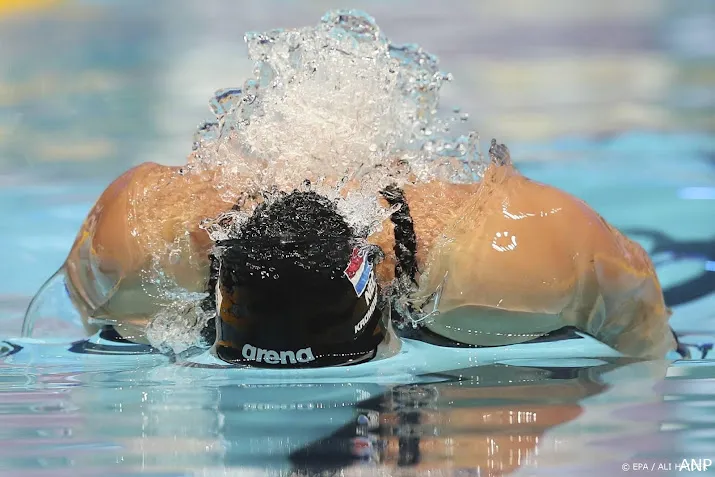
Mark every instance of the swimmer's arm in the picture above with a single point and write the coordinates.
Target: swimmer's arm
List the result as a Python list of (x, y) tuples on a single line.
[(629, 313), (106, 227), (605, 283), (127, 234), (103, 245), (534, 259), (94, 267)]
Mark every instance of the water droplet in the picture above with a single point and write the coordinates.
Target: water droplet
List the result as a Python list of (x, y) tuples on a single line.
[(357, 23), (206, 131), (175, 256), (224, 100)]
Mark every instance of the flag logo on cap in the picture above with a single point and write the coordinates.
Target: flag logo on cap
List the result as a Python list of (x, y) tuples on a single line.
[(358, 270)]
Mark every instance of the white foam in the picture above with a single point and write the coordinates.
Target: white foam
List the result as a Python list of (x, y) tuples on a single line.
[(178, 327), (334, 100)]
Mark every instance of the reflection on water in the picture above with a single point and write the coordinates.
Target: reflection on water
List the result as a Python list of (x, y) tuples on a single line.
[(562, 418)]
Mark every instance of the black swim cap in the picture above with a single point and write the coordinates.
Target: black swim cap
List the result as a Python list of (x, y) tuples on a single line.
[(297, 288)]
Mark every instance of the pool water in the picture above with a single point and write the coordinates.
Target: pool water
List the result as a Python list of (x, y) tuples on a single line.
[(538, 413), (567, 408)]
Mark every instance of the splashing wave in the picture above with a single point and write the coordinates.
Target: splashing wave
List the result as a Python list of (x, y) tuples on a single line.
[(333, 101)]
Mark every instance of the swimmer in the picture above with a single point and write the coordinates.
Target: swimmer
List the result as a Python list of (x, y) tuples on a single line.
[(501, 261)]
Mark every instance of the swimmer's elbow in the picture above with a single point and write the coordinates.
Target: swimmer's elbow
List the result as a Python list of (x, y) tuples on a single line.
[(631, 313), (639, 329)]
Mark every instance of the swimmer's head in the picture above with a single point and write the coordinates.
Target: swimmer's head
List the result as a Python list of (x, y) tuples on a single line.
[(297, 288)]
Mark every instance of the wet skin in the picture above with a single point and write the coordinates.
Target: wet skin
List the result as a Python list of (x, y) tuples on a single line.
[(516, 258)]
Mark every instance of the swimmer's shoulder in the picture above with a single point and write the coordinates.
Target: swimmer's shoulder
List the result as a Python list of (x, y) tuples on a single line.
[(141, 212), (154, 204), (581, 224), (430, 206), (145, 222), (503, 198), (526, 243), (509, 197), (106, 225)]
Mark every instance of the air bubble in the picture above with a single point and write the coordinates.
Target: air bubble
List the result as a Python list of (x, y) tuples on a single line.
[(206, 131), (361, 25), (224, 100), (175, 257)]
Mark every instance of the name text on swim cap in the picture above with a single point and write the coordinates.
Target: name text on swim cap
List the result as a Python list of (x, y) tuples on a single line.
[(369, 297)]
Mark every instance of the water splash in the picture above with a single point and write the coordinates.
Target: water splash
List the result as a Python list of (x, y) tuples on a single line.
[(178, 327), (333, 100)]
